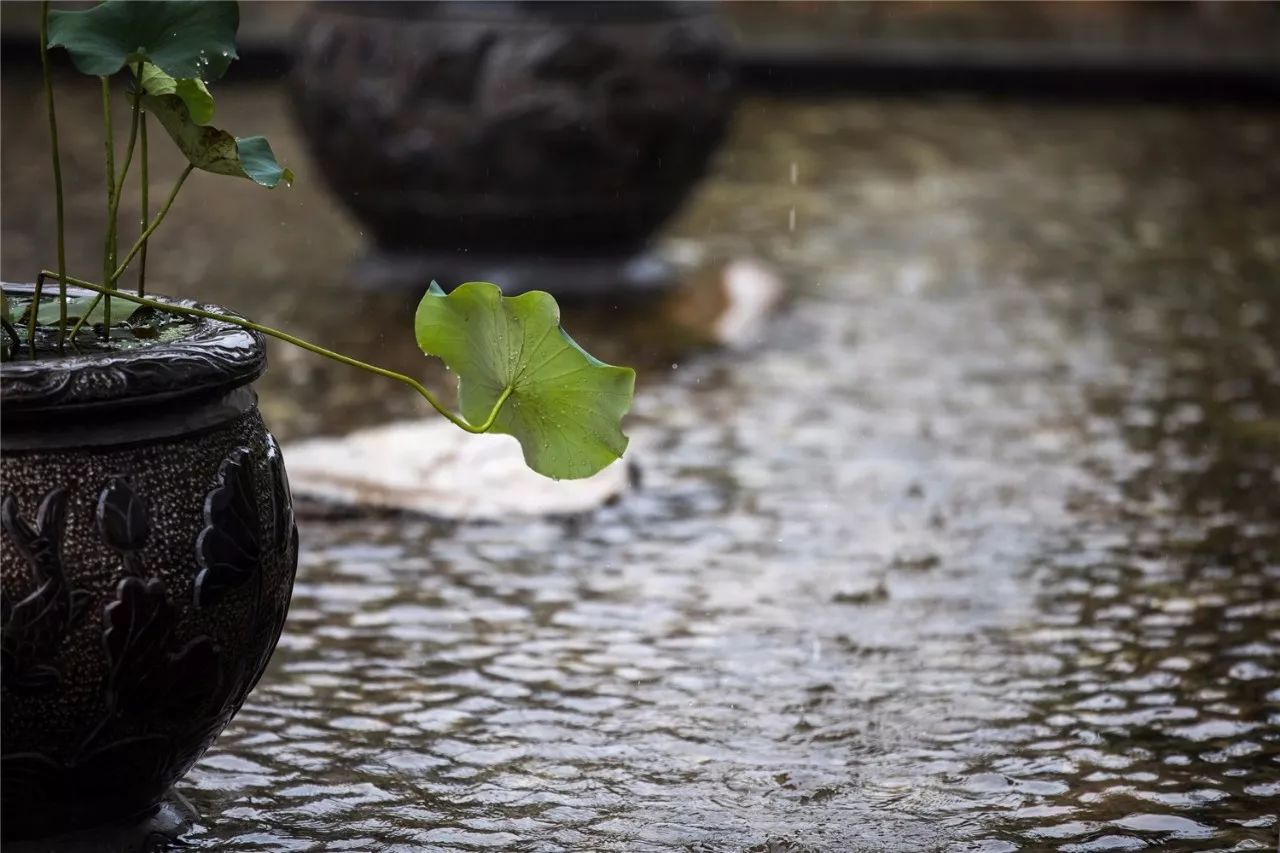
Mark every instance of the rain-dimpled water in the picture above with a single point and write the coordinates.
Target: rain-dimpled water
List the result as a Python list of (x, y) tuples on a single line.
[(975, 546)]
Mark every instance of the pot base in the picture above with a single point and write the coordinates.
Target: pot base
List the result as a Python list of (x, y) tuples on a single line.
[(167, 821)]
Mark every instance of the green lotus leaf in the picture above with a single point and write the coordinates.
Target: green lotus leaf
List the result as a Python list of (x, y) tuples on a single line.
[(565, 406), (191, 90), (186, 39), (215, 150), (121, 310)]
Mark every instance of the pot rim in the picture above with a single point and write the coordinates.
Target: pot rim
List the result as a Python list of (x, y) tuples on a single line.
[(211, 359)]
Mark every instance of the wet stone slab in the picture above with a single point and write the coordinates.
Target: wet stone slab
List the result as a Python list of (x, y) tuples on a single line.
[(434, 469)]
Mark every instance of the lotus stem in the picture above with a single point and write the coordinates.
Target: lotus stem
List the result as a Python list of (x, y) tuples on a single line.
[(57, 194), (422, 390), (109, 243), (114, 276), (146, 204)]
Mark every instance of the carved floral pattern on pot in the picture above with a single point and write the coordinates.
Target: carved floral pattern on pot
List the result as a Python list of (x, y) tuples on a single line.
[(123, 521), (228, 549), (34, 627), (165, 689)]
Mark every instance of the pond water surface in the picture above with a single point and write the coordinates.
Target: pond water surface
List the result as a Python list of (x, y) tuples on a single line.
[(976, 549)]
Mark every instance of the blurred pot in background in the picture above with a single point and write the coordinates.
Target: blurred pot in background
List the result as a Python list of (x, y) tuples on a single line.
[(538, 144)]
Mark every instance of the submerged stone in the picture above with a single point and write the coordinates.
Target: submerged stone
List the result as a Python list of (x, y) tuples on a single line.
[(435, 469)]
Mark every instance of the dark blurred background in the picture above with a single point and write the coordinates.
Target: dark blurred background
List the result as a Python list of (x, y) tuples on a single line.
[(823, 43)]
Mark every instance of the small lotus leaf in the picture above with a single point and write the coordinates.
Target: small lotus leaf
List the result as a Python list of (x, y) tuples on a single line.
[(121, 310), (565, 407), (193, 92), (215, 150)]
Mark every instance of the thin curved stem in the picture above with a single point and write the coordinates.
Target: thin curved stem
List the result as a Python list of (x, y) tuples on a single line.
[(118, 185), (109, 244), (11, 332), (422, 390), (57, 192), (146, 202), (135, 111), (75, 330), (155, 223), (117, 190), (494, 412), (137, 246)]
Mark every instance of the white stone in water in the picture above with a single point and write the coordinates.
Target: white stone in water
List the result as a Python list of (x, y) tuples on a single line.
[(752, 295), (435, 469)]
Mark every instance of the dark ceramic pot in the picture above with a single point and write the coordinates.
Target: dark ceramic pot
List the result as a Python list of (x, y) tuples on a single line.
[(545, 140), (149, 550)]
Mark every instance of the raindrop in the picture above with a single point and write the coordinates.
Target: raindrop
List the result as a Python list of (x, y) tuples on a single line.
[(791, 220), (674, 365), (795, 172)]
